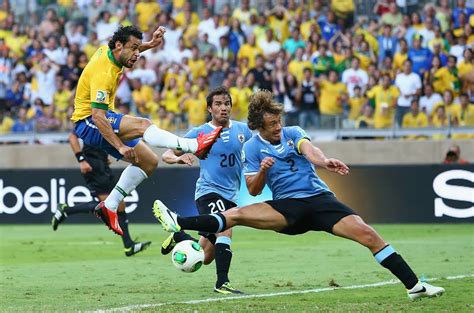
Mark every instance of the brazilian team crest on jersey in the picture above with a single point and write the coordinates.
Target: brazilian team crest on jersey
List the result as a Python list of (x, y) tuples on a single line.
[(101, 96), (241, 138), (290, 144)]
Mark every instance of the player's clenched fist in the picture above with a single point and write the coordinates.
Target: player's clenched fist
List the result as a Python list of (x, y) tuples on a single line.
[(187, 158), (266, 163), (128, 153)]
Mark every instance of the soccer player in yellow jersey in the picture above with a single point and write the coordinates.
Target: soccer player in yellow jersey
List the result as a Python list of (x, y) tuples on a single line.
[(415, 119), (119, 135)]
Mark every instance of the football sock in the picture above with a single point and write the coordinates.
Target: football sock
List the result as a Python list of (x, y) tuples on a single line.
[(212, 238), (211, 223), (123, 222), (131, 177), (223, 257), (181, 236), (391, 260), (161, 138), (87, 207)]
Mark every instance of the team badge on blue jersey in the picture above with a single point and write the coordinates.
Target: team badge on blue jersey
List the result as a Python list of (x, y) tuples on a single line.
[(290, 144), (241, 138)]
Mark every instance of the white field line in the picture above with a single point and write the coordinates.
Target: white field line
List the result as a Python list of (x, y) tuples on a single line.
[(266, 295)]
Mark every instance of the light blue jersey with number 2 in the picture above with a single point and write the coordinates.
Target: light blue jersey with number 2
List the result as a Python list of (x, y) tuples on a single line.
[(221, 171), (292, 175)]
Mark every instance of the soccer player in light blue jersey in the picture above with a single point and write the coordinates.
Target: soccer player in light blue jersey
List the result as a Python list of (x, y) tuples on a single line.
[(285, 159), (218, 184)]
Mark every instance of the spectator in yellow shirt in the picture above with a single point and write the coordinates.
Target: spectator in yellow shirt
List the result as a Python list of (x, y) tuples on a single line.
[(446, 78), (465, 116), (451, 109), (243, 12), (440, 120), (141, 94), (415, 119), (170, 96), (344, 9), (250, 50), (385, 98), (196, 108), (62, 100), (6, 123), (240, 99), (400, 56), (146, 11), (333, 96), (366, 120), (297, 65), (466, 66), (278, 19), (164, 120), (356, 103), (196, 65), (187, 17)]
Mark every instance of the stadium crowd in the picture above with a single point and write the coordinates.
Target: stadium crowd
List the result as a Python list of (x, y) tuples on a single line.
[(329, 67)]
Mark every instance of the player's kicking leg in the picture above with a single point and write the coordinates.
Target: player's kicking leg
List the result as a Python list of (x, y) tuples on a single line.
[(354, 228), (263, 216), (146, 161)]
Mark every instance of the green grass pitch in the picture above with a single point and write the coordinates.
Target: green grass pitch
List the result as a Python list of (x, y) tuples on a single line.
[(83, 268)]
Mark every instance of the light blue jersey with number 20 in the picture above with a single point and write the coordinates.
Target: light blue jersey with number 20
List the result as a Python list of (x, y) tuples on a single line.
[(221, 171), (292, 175)]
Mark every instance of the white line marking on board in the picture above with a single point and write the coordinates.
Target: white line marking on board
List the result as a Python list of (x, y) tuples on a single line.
[(266, 295)]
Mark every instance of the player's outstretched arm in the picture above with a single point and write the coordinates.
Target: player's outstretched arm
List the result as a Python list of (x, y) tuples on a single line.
[(155, 41), (171, 156), (317, 157)]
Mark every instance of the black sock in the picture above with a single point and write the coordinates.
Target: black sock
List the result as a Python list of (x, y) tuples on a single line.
[(212, 238), (391, 260), (181, 236), (211, 223), (223, 257), (123, 222), (81, 208)]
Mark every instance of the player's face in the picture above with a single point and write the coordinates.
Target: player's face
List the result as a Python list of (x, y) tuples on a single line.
[(130, 52), (271, 130), (220, 109)]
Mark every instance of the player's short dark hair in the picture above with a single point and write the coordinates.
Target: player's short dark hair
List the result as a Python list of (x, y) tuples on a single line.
[(123, 34), (221, 90), (260, 103)]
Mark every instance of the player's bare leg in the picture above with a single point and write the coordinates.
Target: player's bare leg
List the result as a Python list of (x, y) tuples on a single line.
[(354, 228), (208, 248)]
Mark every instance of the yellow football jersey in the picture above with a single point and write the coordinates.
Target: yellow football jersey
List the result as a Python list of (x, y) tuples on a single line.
[(97, 85)]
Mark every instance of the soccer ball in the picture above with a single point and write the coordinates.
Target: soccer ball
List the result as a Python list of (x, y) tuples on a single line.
[(187, 256)]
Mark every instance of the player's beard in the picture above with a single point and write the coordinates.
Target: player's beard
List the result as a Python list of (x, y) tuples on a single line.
[(126, 61)]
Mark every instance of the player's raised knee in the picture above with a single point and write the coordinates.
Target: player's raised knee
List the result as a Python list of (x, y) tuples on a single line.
[(144, 124)]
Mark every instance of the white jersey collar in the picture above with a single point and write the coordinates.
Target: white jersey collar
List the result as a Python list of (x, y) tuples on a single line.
[(214, 127)]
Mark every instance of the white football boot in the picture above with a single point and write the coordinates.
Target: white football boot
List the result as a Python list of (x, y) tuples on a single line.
[(423, 289)]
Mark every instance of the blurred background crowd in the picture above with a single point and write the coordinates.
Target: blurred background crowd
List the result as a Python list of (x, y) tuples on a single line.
[(331, 64)]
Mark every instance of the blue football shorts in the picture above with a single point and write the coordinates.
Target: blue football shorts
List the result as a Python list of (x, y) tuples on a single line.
[(90, 134)]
